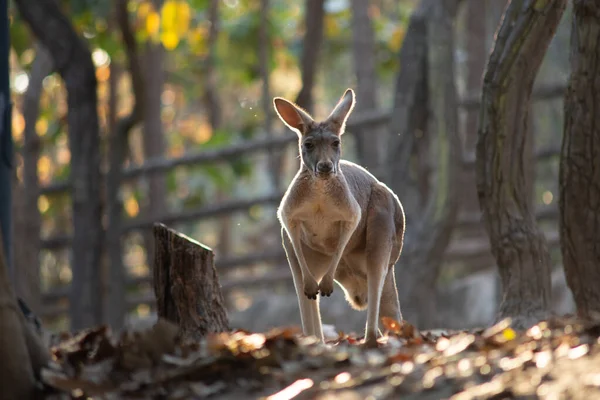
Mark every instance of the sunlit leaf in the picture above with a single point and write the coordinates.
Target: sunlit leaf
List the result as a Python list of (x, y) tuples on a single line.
[(169, 39), (132, 207), (509, 334), (168, 15), (144, 9), (183, 18), (397, 38), (152, 23), (44, 167), (43, 204)]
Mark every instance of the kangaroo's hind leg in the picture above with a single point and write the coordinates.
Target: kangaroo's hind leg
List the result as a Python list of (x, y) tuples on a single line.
[(390, 303), (380, 232)]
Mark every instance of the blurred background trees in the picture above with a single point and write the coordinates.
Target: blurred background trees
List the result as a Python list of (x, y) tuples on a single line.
[(182, 133)]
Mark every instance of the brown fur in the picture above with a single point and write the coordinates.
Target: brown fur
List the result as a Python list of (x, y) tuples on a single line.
[(336, 210)]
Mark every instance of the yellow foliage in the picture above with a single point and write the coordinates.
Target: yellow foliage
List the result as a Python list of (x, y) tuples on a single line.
[(169, 16), (152, 23), (132, 208), (103, 73), (43, 204), (509, 334), (18, 125), (174, 22), (203, 133), (397, 38), (169, 39), (44, 167), (197, 41), (144, 9), (183, 18), (41, 126)]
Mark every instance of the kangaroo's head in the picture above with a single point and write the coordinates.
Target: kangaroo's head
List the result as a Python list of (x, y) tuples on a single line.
[(319, 142)]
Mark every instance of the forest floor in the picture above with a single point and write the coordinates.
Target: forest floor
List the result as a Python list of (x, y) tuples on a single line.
[(556, 359)]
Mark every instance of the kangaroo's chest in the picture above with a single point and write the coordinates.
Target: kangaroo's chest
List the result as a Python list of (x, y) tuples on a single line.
[(320, 225)]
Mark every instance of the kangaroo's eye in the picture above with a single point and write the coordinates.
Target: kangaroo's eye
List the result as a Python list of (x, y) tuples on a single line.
[(309, 146), (336, 144)]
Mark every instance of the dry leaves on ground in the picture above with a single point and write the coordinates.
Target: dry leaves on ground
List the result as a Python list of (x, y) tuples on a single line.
[(555, 359)]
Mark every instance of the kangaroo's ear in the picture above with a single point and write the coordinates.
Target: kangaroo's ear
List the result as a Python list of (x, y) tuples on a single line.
[(338, 117), (293, 116)]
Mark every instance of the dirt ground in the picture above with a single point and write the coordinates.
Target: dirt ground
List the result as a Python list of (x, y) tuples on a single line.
[(556, 359)]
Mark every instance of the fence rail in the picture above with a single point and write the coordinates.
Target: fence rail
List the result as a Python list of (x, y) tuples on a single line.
[(56, 300)]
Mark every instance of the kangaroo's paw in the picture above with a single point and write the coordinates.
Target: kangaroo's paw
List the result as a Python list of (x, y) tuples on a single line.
[(311, 288), (326, 286)]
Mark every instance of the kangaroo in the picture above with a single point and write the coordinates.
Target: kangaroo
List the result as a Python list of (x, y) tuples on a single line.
[(338, 223)]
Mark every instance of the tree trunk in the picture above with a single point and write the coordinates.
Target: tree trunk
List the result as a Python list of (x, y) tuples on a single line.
[(73, 61), (211, 95), (518, 245), (154, 140), (16, 373), (118, 144), (28, 221), (275, 155), (363, 51), (431, 231), (314, 17), (579, 173), (409, 114), (186, 284)]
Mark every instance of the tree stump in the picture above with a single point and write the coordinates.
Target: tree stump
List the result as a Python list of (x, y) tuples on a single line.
[(186, 284)]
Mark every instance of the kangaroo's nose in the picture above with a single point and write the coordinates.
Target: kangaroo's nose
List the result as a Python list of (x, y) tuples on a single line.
[(325, 167)]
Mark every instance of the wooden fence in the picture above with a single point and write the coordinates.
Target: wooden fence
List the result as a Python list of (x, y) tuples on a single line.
[(475, 252)]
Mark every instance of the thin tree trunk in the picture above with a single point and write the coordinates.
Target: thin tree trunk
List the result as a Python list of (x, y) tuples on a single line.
[(73, 61), (118, 144), (213, 106), (314, 17), (518, 245), (211, 95), (363, 51), (154, 141), (27, 230), (425, 245), (275, 156), (476, 57), (409, 114), (579, 172)]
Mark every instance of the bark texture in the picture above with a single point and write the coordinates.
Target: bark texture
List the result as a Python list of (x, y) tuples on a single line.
[(118, 145), (579, 170), (518, 245), (73, 61), (314, 16), (186, 284), (432, 224)]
